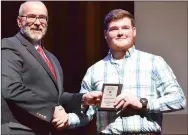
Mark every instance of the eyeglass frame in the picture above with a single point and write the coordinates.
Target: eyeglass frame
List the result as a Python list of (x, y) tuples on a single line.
[(36, 17)]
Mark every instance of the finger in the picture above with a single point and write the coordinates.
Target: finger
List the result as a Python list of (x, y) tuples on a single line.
[(93, 103), (66, 120), (118, 99), (120, 104), (60, 107), (66, 123), (58, 123), (98, 94), (54, 121), (126, 105), (97, 101), (60, 127)]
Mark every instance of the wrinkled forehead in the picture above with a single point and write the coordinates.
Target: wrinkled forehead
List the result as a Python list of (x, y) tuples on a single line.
[(37, 8)]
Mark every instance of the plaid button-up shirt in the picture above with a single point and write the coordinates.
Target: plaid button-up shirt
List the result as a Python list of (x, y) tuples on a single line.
[(142, 74)]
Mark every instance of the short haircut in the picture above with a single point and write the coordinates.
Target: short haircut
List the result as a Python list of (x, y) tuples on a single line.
[(117, 14)]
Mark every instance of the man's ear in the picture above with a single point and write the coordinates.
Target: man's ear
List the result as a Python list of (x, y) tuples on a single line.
[(19, 21), (134, 30), (105, 34)]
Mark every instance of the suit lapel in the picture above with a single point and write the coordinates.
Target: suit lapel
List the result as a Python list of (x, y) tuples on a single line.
[(34, 52), (57, 72)]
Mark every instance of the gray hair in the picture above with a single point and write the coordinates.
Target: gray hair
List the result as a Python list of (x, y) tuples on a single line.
[(21, 9), (20, 12)]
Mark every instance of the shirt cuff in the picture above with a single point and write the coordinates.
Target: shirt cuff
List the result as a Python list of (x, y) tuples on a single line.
[(74, 120), (154, 105)]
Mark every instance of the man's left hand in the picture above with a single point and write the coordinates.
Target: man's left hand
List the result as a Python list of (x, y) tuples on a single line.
[(126, 100)]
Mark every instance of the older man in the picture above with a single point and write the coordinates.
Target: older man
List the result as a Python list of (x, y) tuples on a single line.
[(33, 101)]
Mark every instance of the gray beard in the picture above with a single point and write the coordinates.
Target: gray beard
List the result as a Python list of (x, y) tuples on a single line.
[(34, 39)]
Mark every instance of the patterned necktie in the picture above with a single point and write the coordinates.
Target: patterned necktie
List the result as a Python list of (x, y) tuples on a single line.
[(41, 52)]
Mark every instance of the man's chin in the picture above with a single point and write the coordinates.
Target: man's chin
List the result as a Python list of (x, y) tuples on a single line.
[(121, 47), (36, 38), (33, 36)]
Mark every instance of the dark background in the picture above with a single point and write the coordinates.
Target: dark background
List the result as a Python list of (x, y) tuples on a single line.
[(75, 36)]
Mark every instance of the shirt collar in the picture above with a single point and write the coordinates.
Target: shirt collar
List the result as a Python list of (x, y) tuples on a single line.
[(128, 54)]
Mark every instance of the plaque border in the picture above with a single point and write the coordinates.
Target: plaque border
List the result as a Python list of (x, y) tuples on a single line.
[(118, 92)]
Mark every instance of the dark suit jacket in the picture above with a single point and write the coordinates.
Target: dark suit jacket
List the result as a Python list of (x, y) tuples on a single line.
[(29, 91)]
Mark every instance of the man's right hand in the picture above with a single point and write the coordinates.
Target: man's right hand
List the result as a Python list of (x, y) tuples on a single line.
[(60, 118), (92, 98)]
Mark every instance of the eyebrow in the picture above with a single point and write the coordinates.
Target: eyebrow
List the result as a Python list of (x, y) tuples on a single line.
[(112, 27)]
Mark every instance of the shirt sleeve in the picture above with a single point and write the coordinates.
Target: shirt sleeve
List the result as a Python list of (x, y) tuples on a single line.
[(171, 95)]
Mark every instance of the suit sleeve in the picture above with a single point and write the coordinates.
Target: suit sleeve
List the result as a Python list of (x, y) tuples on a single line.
[(71, 102), (75, 119), (15, 91)]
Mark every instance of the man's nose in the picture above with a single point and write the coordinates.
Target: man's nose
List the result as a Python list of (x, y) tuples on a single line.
[(120, 32), (37, 21)]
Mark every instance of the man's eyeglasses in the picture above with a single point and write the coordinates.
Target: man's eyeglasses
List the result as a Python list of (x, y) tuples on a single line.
[(31, 18)]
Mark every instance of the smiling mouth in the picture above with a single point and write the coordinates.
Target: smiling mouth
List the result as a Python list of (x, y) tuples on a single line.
[(121, 38), (36, 30)]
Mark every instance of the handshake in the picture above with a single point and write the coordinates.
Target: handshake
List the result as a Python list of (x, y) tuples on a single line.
[(60, 117)]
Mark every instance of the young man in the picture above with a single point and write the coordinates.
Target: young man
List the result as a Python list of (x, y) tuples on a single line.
[(149, 85), (33, 101)]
